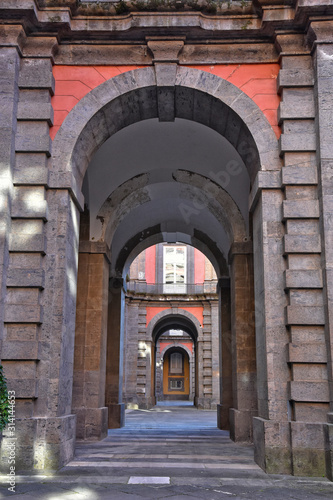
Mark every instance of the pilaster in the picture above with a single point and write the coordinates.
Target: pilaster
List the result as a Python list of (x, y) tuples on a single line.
[(243, 351), (321, 33)]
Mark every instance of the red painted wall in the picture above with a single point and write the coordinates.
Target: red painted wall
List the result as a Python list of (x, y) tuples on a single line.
[(151, 264), (258, 81), (74, 82), (197, 311), (189, 345)]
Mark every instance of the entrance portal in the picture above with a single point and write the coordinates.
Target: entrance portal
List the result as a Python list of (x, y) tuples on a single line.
[(176, 375), (199, 200)]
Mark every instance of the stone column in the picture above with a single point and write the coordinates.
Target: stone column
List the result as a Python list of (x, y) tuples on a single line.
[(9, 74), (295, 410), (41, 282), (271, 432), (143, 359), (215, 332), (90, 342), (115, 351), (9, 71), (323, 69), (199, 380), (192, 374), (225, 356), (242, 342), (206, 359), (131, 351)]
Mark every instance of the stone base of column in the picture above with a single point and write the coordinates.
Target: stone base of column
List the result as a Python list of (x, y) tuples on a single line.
[(308, 448), (241, 425), (298, 448), (116, 417), (223, 417), (272, 447), (146, 403), (205, 403), (44, 444), (328, 432), (91, 423)]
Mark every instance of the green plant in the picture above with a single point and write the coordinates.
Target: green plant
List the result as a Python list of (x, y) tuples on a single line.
[(4, 403), (122, 8), (193, 4), (211, 7), (247, 24)]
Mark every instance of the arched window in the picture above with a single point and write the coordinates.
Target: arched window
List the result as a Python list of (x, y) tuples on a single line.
[(174, 269)]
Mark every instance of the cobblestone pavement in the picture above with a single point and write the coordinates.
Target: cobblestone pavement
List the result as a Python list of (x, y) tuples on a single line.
[(167, 452)]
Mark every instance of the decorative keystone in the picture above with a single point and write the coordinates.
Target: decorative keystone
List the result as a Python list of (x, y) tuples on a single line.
[(165, 58), (166, 51)]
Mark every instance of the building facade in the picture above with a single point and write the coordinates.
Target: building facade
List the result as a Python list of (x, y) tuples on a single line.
[(171, 329), (123, 128)]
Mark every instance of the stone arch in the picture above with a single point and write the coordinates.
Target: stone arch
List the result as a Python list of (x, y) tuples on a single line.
[(169, 317), (191, 360), (132, 97), (133, 192), (155, 236), (192, 366), (177, 345)]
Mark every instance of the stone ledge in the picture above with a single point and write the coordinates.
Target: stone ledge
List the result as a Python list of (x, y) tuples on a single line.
[(293, 142), (300, 209), (30, 278), (295, 175), (316, 392), (30, 169), (294, 78), (35, 112), (27, 243), (305, 315), (23, 313), (36, 74), (24, 388), (303, 278), (307, 352), (19, 350), (33, 144), (302, 243), (296, 104)]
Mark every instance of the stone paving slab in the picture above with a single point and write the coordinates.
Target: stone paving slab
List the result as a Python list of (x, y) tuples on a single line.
[(203, 465)]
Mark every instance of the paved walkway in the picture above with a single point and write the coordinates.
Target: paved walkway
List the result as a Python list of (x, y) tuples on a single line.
[(167, 452)]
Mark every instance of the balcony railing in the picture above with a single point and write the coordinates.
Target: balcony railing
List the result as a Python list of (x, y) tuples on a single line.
[(171, 288)]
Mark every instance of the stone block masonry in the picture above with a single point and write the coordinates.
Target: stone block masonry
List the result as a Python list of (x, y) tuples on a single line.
[(308, 389), (254, 77), (35, 242), (74, 82)]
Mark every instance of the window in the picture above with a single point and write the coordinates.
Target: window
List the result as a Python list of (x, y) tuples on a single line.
[(174, 269), (176, 384), (176, 363)]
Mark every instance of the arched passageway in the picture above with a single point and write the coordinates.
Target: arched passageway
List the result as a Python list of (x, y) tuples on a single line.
[(171, 155), (131, 208)]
